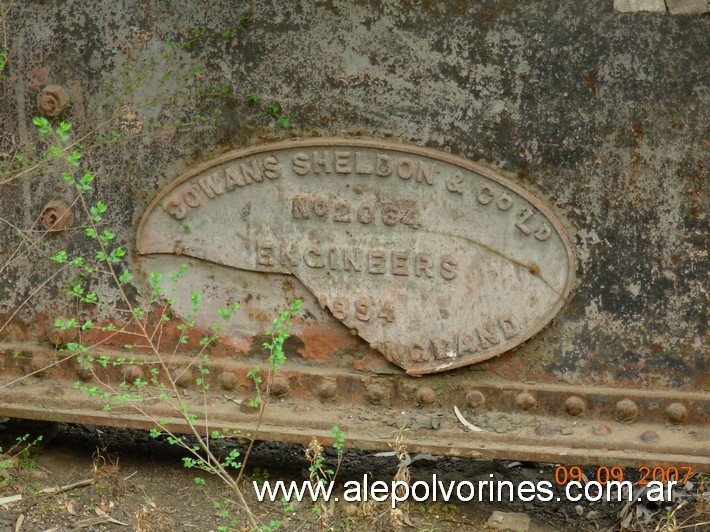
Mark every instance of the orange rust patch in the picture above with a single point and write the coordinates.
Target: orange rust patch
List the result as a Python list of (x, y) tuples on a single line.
[(321, 344)]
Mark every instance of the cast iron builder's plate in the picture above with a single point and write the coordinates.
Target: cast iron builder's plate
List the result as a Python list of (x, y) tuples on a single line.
[(435, 261)]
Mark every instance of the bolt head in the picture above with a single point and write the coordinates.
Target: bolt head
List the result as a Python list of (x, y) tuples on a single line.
[(376, 393), (677, 412), (132, 373), (327, 390), (601, 430), (83, 371), (182, 377), (650, 436), (55, 216), (425, 395), (228, 380), (279, 387), (474, 399), (40, 365), (574, 406), (626, 410), (52, 101), (525, 401)]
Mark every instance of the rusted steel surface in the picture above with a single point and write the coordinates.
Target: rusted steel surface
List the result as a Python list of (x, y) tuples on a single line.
[(496, 207), (561, 423)]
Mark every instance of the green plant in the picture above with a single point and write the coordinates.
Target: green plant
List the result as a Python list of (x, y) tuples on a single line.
[(4, 49), (19, 455), (109, 123), (160, 382)]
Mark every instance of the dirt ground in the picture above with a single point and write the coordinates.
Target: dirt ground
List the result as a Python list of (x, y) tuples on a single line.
[(116, 479)]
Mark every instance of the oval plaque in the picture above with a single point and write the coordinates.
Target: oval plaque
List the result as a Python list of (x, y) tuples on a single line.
[(435, 261)]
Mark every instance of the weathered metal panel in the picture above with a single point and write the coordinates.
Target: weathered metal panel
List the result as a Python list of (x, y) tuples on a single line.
[(601, 117)]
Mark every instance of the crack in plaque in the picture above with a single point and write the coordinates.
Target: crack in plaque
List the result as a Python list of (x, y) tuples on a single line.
[(522, 265)]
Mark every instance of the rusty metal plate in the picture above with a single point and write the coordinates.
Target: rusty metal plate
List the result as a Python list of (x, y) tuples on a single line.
[(435, 261)]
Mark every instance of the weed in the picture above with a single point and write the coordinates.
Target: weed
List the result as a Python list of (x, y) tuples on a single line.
[(20, 455), (398, 515)]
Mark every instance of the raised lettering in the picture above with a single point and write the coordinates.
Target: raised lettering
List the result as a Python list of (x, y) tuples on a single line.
[(176, 209), (191, 196), (340, 308), (488, 335), (322, 161), (384, 165), (264, 254), (543, 232), (390, 214), (405, 168), (251, 171), (361, 167), (333, 259), (509, 325), (233, 178), (363, 309), (448, 267), (505, 201), (419, 352), (467, 344), (312, 257), (423, 265), (272, 168), (485, 195), (425, 173), (442, 349), (301, 207), (342, 162), (353, 258), (376, 262), (301, 164), (400, 264), (455, 183), (366, 213), (320, 206), (387, 311), (342, 211), (287, 256), (212, 185), (522, 217)]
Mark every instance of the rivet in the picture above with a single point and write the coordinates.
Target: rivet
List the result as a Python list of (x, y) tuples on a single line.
[(376, 393), (601, 430), (83, 371), (574, 406), (181, 377), (525, 401), (543, 430), (55, 215), (650, 436), (59, 337), (132, 373), (228, 380), (247, 408), (327, 390), (52, 101), (425, 395), (474, 399), (39, 365), (677, 412), (626, 410), (279, 387)]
